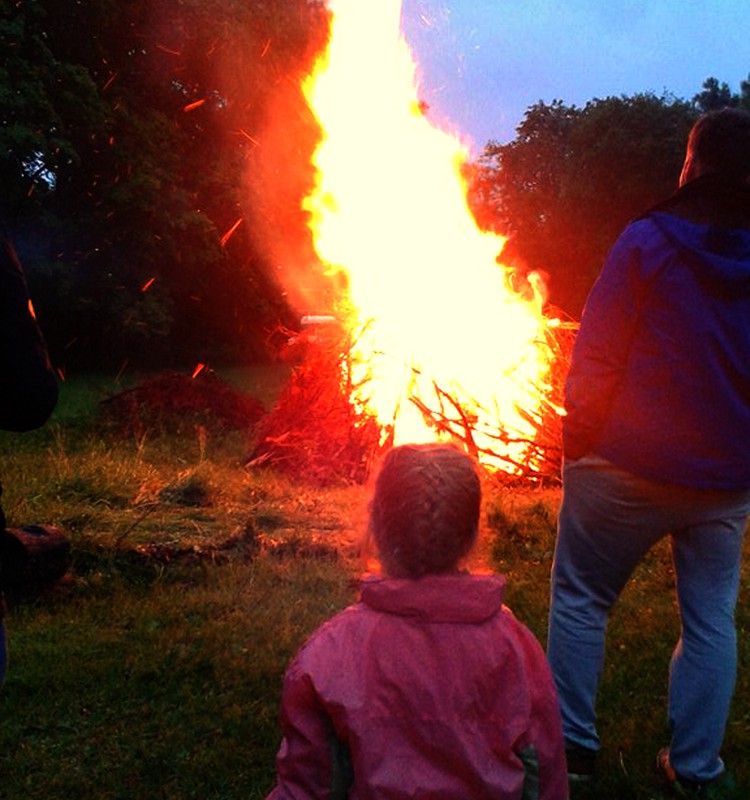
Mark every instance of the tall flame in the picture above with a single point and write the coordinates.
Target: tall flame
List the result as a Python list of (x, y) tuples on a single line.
[(389, 210)]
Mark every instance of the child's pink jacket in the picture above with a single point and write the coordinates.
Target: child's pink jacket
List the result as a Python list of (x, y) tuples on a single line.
[(425, 688)]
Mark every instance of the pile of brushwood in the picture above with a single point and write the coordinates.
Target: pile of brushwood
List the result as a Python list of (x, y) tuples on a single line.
[(529, 458), (172, 402), (318, 433)]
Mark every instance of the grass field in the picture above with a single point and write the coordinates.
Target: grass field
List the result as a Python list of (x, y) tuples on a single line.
[(153, 669)]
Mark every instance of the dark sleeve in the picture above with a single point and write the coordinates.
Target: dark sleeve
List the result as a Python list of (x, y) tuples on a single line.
[(602, 346), (28, 386)]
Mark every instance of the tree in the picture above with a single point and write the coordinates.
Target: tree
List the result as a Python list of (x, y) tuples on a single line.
[(46, 104), (138, 123), (715, 95), (569, 182), (745, 94)]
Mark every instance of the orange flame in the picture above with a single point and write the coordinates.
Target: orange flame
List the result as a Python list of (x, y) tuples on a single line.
[(389, 210)]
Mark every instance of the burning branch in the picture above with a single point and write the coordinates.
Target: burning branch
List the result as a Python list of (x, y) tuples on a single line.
[(536, 457)]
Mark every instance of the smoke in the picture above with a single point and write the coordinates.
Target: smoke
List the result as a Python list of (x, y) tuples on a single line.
[(280, 138), (279, 176)]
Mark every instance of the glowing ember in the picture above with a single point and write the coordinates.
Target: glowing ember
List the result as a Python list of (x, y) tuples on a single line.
[(193, 106), (226, 237), (390, 211), (199, 367)]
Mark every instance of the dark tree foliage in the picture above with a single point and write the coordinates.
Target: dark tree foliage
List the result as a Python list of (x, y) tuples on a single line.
[(135, 136), (716, 95), (128, 139), (573, 177), (46, 106)]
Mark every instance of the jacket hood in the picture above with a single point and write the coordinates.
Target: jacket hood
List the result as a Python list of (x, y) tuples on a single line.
[(708, 221), (715, 254), (436, 598)]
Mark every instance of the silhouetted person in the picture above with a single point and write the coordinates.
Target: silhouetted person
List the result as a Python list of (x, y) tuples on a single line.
[(28, 386), (657, 443)]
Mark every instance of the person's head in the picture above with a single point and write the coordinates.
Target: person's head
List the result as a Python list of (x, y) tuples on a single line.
[(719, 144), (424, 514)]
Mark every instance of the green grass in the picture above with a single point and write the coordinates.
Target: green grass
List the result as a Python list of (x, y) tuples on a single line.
[(643, 629), (154, 669), (166, 688)]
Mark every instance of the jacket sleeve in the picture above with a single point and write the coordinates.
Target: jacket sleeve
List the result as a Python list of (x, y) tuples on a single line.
[(312, 762), (28, 386), (541, 748), (602, 345)]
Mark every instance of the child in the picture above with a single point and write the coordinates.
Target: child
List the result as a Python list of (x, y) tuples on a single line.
[(428, 687)]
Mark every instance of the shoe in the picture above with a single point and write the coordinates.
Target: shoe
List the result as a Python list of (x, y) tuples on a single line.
[(581, 762), (721, 788)]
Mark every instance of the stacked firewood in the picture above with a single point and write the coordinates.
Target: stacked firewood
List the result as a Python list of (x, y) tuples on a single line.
[(320, 430), (536, 454)]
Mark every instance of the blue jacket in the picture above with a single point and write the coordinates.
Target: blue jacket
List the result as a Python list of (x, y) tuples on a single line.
[(659, 382)]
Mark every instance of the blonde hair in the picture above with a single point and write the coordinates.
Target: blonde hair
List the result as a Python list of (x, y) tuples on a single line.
[(424, 514)]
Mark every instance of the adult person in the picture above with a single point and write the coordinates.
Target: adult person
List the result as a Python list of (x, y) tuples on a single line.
[(657, 442), (428, 686), (28, 386)]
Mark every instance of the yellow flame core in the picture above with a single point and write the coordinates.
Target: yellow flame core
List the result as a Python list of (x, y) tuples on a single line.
[(390, 209)]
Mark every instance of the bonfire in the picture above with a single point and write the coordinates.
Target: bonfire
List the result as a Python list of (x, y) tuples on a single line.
[(435, 342)]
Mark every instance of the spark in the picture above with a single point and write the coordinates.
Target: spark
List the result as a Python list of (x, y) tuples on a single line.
[(196, 104), (199, 367), (227, 235), (110, 80), (146, 286), (249, 137), (166, 49)]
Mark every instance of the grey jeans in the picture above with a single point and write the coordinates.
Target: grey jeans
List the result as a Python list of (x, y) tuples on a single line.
[(608, 520)]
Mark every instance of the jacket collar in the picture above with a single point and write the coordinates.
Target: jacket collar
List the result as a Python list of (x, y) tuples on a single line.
[(458, 597), (709, 199)]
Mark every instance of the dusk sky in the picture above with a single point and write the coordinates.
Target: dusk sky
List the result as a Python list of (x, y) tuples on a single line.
[(484, 62)]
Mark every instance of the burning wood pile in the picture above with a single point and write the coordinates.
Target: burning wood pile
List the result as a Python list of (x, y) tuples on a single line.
[(534, 456), (317, 432), (323, 431), (436, 341)]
